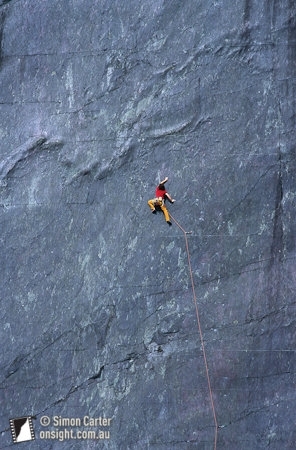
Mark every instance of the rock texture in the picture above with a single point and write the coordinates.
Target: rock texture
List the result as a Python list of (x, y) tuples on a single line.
[(100, 100)]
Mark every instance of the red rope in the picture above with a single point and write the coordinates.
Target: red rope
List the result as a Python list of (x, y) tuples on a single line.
[(200, 331)]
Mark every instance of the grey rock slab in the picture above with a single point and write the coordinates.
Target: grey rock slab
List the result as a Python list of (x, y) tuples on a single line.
[(99, 101)]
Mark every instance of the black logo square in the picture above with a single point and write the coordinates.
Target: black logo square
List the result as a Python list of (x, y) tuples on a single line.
[(22, 429)]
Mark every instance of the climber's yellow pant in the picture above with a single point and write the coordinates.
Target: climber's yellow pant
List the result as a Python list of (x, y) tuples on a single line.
[(160, 203)]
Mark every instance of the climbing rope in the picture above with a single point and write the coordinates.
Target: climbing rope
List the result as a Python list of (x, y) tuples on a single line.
[(199, 329)]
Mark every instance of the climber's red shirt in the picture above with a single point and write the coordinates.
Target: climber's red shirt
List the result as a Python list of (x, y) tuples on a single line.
[(160, 192)]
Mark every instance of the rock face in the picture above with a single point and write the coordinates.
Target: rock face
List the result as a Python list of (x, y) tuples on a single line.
[(99, 101)]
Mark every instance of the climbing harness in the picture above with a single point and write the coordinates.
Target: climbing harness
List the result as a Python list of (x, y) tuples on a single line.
[(158, 201), (199, 329)]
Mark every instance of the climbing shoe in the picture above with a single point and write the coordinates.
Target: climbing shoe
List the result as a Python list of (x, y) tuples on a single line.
[(169, 223)]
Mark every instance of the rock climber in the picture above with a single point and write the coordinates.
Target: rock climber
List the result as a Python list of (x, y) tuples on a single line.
[(161, 195)]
